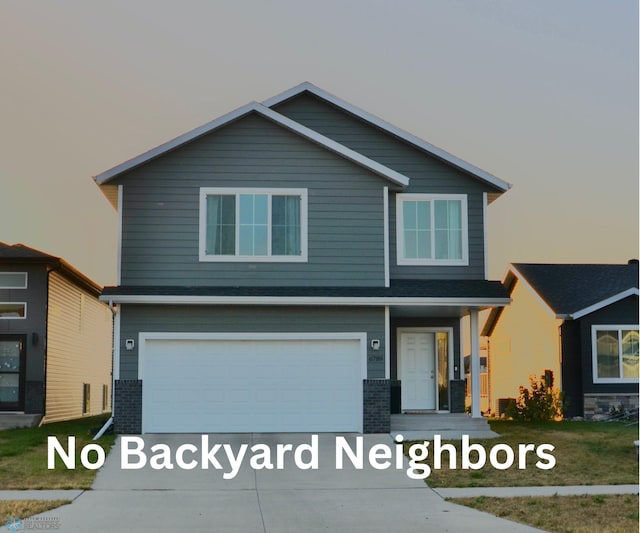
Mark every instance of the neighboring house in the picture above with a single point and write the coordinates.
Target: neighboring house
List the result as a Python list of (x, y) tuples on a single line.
[(55, 340), (291, 266), (578, 321)]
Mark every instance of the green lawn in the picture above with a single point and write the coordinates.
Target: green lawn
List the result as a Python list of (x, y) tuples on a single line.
[(586, 453), (565, 514), (23, 455)]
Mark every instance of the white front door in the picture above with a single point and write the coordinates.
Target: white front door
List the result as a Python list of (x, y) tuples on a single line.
[(417, 371)]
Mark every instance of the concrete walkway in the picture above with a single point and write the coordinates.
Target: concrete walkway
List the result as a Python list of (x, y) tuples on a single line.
[(267, 500)]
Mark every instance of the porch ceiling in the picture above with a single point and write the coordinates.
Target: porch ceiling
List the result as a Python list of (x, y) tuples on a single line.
[(444, 311)]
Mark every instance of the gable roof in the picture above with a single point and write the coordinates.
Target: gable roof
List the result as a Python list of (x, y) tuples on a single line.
[(571, 291), (421, 144), (19, 253), (254, 107)]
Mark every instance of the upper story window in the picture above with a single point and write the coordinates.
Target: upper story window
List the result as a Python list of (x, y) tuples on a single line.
[(253, 224), (432, 229), (13, 280), (615, 354)]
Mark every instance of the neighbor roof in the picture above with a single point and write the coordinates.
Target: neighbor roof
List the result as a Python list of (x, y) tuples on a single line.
[(19, 253), (571, 291)]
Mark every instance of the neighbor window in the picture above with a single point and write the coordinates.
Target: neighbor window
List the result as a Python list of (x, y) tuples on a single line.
[(432, 229), (13, 280), (13, 310), (615, 353), (253, 224)]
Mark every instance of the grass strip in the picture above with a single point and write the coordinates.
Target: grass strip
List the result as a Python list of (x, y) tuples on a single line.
[(23, 455), (564, 514)]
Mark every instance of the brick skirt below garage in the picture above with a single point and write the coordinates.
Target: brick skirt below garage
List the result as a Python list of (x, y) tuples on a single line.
[(376, 395), (127, 412)]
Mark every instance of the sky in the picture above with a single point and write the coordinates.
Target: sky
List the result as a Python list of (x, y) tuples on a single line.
[(542, 94)]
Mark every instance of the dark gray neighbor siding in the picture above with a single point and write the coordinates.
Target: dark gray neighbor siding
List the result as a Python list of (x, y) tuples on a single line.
[(427, 174), (572, 369), (161, 206), (35, 295), (624, 312), (246, 319)]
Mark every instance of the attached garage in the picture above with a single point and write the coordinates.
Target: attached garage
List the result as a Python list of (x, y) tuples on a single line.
[(257, 382)]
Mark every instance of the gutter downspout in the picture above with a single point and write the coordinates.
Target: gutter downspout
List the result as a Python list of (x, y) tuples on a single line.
[(109, 422)]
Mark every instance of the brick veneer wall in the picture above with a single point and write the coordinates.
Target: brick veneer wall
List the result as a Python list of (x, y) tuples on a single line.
[(377, 406), (127, 414)]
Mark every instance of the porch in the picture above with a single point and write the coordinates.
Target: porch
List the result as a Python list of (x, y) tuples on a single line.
[(450, 426)]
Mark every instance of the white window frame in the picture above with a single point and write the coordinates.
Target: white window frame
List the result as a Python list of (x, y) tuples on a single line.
[(400, 259), (237, 191), (26, 277), (15, 317), (594, 351)]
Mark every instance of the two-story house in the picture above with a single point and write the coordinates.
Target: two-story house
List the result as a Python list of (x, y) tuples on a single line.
[(287, 265)]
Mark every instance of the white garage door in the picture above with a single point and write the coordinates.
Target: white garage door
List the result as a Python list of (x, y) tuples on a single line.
[(265, 384)]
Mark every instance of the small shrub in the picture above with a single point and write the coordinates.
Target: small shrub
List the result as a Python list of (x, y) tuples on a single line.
[(539, 403)]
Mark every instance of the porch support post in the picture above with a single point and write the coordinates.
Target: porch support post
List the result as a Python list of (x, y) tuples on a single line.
[(475, 364)]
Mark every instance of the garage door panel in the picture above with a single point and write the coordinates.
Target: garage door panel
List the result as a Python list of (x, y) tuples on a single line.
[(218, 385)]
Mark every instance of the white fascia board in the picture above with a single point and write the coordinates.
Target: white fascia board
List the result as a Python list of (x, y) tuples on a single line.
[(254, 107), (603, 303), (104, 177), (535, 294), (390, 128), (304, 300)]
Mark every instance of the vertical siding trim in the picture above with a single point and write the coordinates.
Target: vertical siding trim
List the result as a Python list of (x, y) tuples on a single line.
[(120, 209), (485, 203), (387, 342), (115, 372), (385, 208)]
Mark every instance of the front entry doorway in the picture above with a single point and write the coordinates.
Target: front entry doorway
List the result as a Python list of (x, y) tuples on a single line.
[(417, 370), (425, 364)]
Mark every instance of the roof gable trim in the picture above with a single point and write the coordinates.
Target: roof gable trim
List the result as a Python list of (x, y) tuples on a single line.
[(270, 114), (603, 303), (390, 128)]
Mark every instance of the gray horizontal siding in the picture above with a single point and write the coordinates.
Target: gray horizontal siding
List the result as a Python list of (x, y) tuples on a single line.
[(427, 174), (243, 319), (161, 209)]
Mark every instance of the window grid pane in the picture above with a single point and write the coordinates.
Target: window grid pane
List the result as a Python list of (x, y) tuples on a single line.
[(608, 354), (630, 352), (285, 225), (221, 225), (254, 229)]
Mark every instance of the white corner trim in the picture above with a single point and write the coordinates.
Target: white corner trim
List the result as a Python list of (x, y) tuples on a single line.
[(386, 126), (485, 204), (604, 303), (385, 210), (119, 252), (387, 341), (116, 347), (254, 107), (524, 281)]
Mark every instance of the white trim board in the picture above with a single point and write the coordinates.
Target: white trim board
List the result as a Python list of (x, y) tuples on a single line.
[(254, 107), (389, 128), (603, 303), (303, 300)]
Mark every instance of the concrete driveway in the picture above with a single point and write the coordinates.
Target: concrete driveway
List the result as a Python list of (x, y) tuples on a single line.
[(289, 499)]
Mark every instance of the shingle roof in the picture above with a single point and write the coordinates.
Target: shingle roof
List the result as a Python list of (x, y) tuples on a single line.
[(398, 289), (568, 288)]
